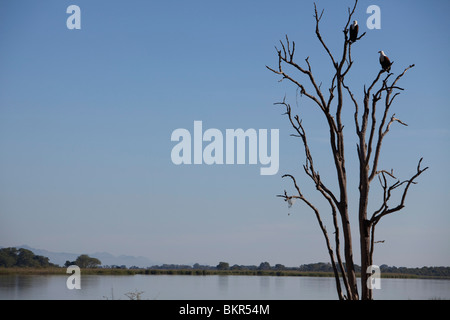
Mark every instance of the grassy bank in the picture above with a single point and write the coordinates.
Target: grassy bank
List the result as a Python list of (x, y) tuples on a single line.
[(102, 271), (195, 272), (32, 271)]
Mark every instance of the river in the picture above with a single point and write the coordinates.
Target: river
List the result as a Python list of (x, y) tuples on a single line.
[(212, 287)]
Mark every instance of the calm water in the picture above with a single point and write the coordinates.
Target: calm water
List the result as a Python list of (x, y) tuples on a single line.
[(168, 287)]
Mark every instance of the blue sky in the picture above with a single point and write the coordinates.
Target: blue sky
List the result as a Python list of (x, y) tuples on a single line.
[(86, 118)]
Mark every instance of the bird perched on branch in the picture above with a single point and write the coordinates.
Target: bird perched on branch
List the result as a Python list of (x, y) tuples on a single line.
[(354, 31), (385, 62)]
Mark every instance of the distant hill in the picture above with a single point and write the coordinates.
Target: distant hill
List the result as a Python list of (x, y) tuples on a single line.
[(106, 258)]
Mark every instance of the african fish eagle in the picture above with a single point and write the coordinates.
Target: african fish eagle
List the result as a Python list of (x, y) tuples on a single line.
[(354, 31), (385, 62)]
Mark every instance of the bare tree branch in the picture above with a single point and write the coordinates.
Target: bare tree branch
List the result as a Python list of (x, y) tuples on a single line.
[(319, 36), (387, 190), (322, 227), (384, 208), (309, 167), (314, 175), (287, 57), (355, 103), (381, 130)]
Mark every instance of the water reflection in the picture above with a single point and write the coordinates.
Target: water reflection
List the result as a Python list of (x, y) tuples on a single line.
[(18, 286), (168, 287), (223, 284)]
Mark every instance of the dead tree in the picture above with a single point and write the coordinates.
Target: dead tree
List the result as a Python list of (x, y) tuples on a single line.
[(370, 133)]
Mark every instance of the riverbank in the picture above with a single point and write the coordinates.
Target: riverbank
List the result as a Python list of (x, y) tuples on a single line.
[(195, 272)]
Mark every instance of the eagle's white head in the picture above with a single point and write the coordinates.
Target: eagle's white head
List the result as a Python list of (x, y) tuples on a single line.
[(355, 23), (381, 53)]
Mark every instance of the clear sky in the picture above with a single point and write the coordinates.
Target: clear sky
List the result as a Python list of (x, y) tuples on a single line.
[(86, 118)]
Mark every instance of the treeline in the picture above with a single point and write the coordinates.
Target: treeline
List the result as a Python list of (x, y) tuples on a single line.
[(13, 257), (385, 269), (424, 271), (220, 266), (263, 266), (24, 258), (320, 267)]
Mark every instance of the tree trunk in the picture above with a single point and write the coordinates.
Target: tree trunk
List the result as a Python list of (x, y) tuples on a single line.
[(348, 251), (364, 228), (339, 159), (366, 292)]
